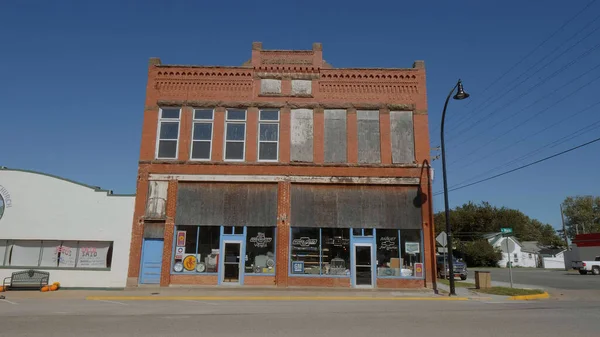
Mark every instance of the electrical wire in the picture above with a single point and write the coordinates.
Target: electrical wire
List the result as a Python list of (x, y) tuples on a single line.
[(552, 105), (568, 117), (528, 91), (522, 167), (566, 23), (553, 144)]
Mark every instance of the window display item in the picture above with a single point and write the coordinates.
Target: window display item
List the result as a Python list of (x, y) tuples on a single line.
[(201, 267), (178, 267), (337, 267), (189, 263)]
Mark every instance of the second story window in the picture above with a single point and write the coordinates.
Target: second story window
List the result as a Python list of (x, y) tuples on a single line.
[(202, 134), (168, 133), (235, 135), (268, 135)]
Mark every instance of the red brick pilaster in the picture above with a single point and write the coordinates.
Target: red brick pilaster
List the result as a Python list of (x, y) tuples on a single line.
[(283, 233), (165, 273)]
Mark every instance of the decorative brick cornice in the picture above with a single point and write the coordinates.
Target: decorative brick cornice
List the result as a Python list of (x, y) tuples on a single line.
[(289, 105)]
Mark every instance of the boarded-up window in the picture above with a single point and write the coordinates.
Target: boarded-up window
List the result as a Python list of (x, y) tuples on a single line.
[(270, 86), (227, 204), (369, 141), (402, 135), (301, 87), (355, 206), (335, 136), (157, 199), (302, 135)]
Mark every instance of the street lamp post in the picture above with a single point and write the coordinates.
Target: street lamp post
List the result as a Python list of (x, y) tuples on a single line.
[(460, 94)]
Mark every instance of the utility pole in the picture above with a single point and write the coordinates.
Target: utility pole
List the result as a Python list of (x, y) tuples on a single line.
[(562, 216)]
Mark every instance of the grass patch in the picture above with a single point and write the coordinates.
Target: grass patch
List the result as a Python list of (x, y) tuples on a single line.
[(505, 291), (457, 284)]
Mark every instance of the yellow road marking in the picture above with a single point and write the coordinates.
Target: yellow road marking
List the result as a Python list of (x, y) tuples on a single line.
[(268, 298), (530, 297)]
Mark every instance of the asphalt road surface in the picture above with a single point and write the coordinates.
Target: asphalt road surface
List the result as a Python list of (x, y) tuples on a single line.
[(557, 279), (66, 318)]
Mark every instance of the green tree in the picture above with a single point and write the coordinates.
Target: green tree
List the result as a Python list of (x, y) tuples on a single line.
[(471, 221), (479, 253), (582, 214)]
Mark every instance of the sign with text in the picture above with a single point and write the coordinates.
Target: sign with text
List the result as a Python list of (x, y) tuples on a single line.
[(179, 251), (181, 238), (298, 267), (506, 230), (412, 248)]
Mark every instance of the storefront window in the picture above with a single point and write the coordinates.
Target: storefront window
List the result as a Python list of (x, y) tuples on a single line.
[(196, 249), (335, 251), (260, 250), (410, 250), (92, 254), (388, 254), (305, 251)]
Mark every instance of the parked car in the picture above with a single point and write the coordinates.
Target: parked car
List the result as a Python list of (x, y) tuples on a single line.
[(587, 266), (459, 268)]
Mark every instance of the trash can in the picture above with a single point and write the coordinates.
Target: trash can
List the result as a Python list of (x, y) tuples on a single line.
[(483, 279)]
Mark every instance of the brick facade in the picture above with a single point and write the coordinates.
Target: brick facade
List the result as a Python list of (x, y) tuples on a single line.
[(221, 88)]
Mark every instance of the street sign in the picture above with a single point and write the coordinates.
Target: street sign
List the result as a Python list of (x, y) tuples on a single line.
[(442, 250), (442, 239), (506, 230)]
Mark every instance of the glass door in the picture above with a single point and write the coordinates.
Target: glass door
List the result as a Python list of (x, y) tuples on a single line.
[(363, 269), (231, 263)]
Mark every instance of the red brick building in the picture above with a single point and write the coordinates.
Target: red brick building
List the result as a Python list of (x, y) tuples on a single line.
[(284, 171)]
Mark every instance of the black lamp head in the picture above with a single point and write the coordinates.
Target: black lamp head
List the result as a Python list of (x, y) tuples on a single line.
[(461, 94)]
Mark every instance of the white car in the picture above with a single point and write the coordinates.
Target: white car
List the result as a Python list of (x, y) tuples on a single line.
[(588, 266)]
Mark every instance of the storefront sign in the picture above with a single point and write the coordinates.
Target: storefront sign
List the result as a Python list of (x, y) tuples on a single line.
[(92, 257), (412, 248), (418, 270), (298, 267), (5, 200), (189, 263), (304, 242), (179, 251), (181, 238), (260, 240), (388, 243)]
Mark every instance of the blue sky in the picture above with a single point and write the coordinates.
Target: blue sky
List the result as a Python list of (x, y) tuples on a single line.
[(74, 76)]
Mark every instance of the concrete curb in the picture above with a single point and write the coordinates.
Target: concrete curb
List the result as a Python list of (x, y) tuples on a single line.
[(269, 298), (545, 295)]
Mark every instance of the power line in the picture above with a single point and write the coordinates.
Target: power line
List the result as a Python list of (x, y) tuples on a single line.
[(561, 87), (522, 167), (553, 144), (533, 50), (553, 104), (537, 133), (532, 88)]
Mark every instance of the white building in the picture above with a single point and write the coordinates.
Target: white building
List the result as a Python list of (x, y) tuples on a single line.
[(553, 258), (80, 234), (512, 249)]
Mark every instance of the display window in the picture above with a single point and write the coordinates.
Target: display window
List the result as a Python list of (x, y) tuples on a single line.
[(260, 250), (411, 252), (388, 252), (320, 251), (196, 249)]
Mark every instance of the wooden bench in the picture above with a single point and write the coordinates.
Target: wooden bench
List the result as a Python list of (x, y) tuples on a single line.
[(27, 279)]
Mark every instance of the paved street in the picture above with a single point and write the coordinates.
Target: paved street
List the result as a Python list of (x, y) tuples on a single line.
[(78, 317), (556, 279)]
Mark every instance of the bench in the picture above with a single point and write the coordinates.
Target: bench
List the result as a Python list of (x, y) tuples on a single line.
[(27, 279)]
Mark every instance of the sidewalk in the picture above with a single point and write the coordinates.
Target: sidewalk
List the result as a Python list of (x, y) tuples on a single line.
[(236, 293)]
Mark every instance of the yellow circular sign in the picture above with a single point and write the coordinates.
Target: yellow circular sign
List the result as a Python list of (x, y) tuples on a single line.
[(189, 263)]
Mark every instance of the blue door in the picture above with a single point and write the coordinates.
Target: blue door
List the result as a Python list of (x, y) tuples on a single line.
[(152, 253)]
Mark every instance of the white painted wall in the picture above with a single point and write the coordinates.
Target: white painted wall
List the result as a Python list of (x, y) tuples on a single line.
[(556, 262), (525, 259), (46, 208)]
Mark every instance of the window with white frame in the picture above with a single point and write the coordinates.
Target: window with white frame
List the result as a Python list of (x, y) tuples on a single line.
[(235, 135), (202, 134), (56, 254), (168, 133), (268, 135)]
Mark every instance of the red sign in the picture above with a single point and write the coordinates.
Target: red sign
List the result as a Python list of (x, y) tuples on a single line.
[(418, 270), (180, 238)]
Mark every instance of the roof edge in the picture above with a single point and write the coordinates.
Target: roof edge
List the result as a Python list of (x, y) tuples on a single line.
[(94, 188)]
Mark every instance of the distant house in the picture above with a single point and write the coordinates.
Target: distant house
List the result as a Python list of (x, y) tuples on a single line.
[(552, 258), (520, 255)]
